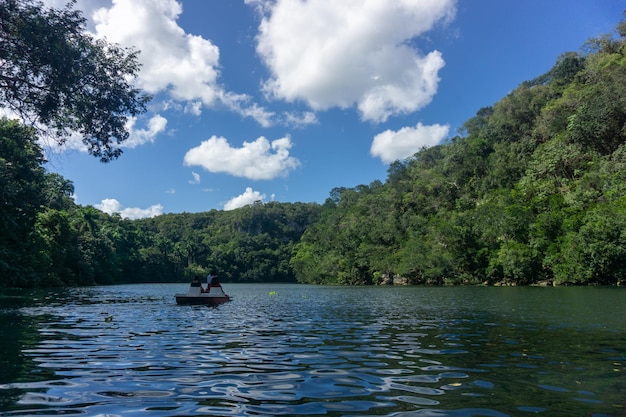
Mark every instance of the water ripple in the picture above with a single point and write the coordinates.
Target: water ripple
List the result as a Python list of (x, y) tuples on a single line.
[(335, 356)]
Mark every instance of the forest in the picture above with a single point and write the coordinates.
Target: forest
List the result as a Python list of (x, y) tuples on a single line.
[(532, 191)]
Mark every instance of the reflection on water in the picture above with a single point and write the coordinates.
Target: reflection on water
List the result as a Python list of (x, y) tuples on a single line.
[(302, 350)]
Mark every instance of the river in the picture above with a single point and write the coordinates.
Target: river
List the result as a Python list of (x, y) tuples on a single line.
[(308, 350)]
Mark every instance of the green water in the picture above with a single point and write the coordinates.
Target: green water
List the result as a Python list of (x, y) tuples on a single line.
[(305, 350)]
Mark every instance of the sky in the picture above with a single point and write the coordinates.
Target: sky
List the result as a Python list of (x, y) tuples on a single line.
[(285, 100)]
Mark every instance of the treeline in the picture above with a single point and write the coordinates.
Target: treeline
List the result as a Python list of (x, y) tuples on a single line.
[(249, 244), (533, 191)]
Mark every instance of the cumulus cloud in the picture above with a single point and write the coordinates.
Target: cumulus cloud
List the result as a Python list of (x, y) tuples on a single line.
[(342, 53), (137, 137), (111, 206), (183, 65), (248, 197), (392, 145), (257, 160)]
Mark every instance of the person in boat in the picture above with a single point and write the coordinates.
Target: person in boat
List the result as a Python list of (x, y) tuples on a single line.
[(195, 284), (214, 287)]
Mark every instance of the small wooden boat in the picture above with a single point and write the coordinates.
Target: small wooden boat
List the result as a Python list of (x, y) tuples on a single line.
[(195, 295)]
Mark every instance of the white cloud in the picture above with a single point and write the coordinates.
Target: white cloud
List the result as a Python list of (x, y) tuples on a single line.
[(138, 213), (237, 103), (194, 107), (342, 53), (88, 7), (185, 66), (248, 197), (111, 205), (258, 160), (137, 137), (300, 119), (196, 178), (392, 145)]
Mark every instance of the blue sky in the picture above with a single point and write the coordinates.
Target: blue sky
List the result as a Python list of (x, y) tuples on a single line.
[(285, 100)]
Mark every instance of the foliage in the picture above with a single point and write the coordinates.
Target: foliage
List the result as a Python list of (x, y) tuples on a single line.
[(250, 244), (21, 194), (54, 74)]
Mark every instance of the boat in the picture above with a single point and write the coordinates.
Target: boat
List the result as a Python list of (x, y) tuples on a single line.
[(201, 299), (195, 295)]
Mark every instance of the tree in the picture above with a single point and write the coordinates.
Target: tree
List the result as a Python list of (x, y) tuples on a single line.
[(58, 191), (55, 75), (21, 194)]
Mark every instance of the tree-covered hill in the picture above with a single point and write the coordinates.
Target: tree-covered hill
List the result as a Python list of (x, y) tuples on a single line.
[(250, 244), (533, 190)]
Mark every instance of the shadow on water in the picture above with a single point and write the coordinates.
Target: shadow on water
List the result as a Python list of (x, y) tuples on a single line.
[(303, 350), (18, 333)]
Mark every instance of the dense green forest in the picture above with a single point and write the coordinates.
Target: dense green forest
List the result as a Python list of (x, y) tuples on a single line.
[(532, 190)]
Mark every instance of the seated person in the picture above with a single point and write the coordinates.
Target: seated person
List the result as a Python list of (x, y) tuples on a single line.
[(196, 286), (214, 287)]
